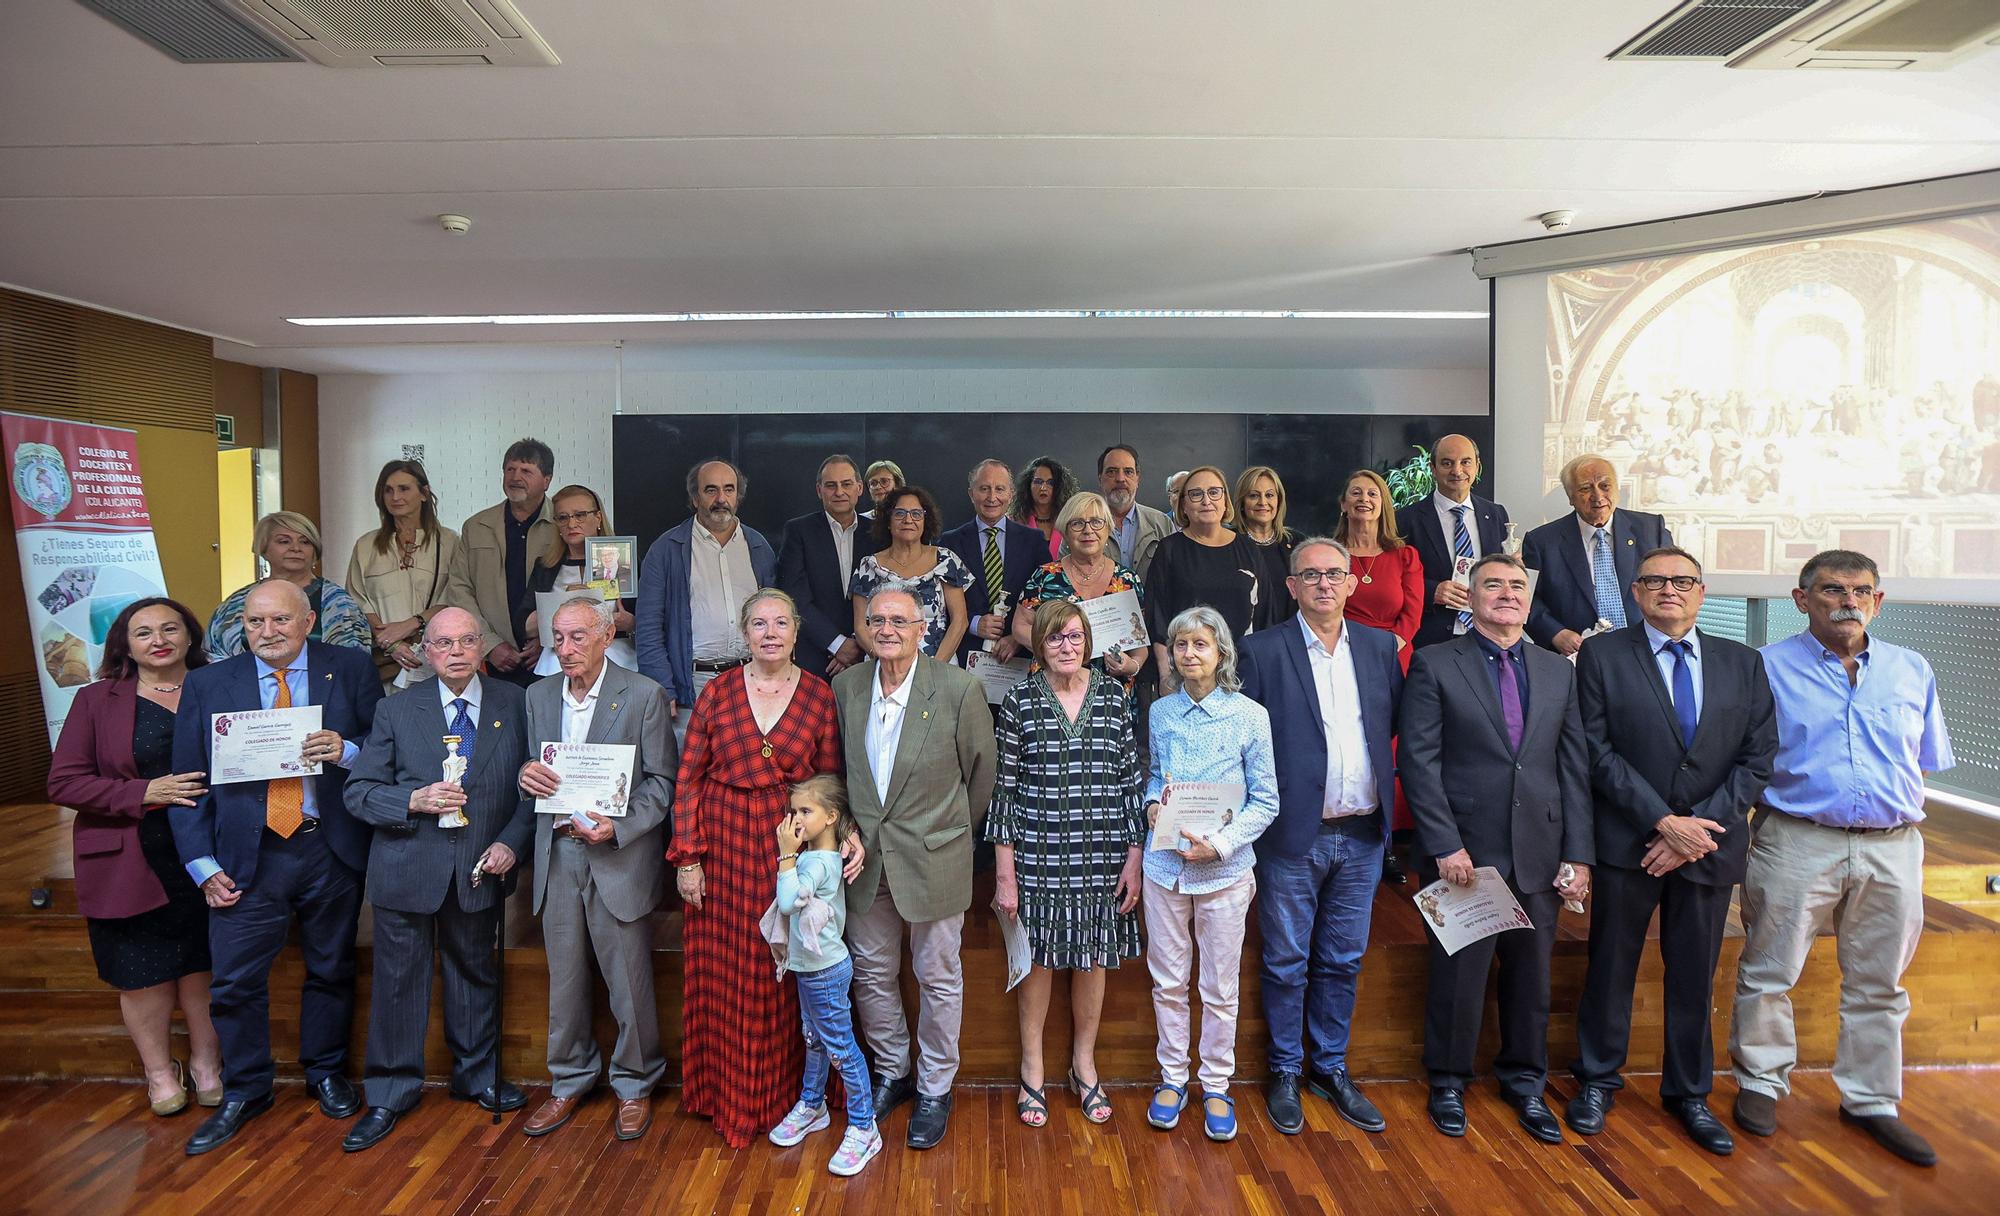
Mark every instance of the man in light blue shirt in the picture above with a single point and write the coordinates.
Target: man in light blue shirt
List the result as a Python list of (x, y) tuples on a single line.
[(1837, 844)]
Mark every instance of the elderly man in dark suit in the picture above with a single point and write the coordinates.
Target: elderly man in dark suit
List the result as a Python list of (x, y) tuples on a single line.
[(436, 882), (1450, 524), (1497, 773), (816, 564), (1588, 558), (989, 543), (267, 853), (1682, 733), (1331, 687), (598, 878)]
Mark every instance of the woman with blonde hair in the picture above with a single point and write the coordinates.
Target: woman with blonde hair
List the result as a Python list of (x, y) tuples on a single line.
[(1260, 516), (579, 515), (288, 543)]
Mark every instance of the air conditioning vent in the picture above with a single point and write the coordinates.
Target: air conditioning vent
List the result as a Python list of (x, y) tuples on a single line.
[(1710, 29), (195, 31), (1854, 35), (338, 33)]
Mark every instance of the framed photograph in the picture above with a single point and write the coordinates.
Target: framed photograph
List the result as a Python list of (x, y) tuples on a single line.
[(613, 560)]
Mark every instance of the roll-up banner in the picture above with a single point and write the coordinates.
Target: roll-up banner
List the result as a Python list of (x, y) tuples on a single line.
[(86, 544)]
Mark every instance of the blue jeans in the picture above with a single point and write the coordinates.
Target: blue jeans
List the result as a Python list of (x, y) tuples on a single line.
[(1314, 911), (829, 1030)]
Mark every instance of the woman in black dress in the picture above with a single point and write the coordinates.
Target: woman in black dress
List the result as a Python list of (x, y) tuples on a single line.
[(148, 922), (1205, 563)]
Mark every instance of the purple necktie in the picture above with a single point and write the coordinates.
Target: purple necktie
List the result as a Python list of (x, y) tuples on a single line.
[(1510, 700)]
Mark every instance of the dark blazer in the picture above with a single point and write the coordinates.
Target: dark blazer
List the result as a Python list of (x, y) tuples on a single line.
[(1638, 769), (809, 572), (1524, 812), (93, 774), (1277, 674), (1024, 550), (414, 861), (1420, 524), (1565, 597), (227, 823)]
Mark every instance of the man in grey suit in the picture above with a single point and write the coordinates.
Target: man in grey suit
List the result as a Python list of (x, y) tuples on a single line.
[(435, 885), (1497, 773), (920, 767), (598, 878)]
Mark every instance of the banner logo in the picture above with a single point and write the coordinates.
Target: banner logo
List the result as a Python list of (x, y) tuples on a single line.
[(41, 480)]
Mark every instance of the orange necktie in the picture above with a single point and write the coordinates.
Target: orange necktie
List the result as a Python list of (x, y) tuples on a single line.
[(284, 798)]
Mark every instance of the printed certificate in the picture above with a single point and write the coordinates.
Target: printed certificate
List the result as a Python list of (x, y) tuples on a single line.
[(1201, 807), (1115, 623), (595, 777), (998, 678), (1459, 916), (260, 744)]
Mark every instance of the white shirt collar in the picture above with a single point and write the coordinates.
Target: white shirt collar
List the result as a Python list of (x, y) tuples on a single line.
[(703, 535), (1313, 641), (1589, 530), (901, 696), (471, 695), (833, 523), (589, 698), (1446, 505)]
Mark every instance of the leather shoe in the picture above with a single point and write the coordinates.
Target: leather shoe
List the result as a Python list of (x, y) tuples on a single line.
[(1281, 1102), (551, 1115), (498, 1097), (1536, 1116), (221, 1127), (927, 1122), (1702, 1126), (1895, 1135), (1585, 1112), (1393, 872), (1756, 1113), (889, 1094), (369, 1129), (337, 1099), (635, 1115), (1351, 1104), (1447, 1109)]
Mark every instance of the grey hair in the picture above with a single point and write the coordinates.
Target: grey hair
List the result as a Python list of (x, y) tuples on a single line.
[(991, 462), (598, 608), (1569, 470), (902, 591), (1309, 542), (1840, 561), (1172, 478), (694, 477), (1201, 616)]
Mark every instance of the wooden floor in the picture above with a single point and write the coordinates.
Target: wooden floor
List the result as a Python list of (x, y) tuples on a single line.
[(95, 1150)]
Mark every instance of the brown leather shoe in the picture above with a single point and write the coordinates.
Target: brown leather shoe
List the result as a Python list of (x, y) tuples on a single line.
[(551, 1115), (635, 1115)]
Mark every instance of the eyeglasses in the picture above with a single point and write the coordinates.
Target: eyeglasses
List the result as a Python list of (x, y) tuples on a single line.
[(908, 513), (447, 645), (1089, 525), (1208, 494), (897, 623), (574, 517), (1313, 578), (1041, 481), (1681, 582), (1072, 640)]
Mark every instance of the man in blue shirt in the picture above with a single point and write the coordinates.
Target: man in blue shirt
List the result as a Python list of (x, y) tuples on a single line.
[(1836, 843)]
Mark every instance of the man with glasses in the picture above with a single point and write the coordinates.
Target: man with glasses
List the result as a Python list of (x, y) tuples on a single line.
[(1682, 733), (496, 556), (816, 563), (1836, 845), (1001, 553), (1332, 688), (920, 768), (1588, 558), (1136, 529), (441, 863)]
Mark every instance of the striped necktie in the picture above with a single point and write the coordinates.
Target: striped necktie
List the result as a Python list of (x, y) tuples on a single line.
[(996, 581), (1461, 546), (285, 797)]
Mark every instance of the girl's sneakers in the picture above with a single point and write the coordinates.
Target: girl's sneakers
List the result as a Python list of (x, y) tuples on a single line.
[(800, 1122), (857, 1148)]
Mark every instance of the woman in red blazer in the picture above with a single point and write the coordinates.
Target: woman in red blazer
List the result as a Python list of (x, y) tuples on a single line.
[(148, 921)]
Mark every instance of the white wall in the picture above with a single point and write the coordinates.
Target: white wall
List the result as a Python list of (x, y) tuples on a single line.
[(466, 421)]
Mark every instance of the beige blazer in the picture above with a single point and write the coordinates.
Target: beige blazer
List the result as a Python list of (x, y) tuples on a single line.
[(1154, 527), (479, 575), (939, 788)]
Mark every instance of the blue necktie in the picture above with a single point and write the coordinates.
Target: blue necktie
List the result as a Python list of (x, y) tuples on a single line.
[(1461, 546), (1604, 575), (463, 726), (1683, 689)]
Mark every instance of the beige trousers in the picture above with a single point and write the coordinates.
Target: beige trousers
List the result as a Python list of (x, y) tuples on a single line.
[(875, 940), (1176, 923)]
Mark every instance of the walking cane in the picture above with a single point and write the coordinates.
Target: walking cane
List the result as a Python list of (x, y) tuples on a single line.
[(500, 977)]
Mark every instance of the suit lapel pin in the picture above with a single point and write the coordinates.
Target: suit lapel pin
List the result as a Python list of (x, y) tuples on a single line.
[(927, 715), (614, 705), (496, 724)]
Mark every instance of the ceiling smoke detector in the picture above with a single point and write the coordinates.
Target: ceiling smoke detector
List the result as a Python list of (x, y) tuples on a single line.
[(457, 225), (1556, 221)]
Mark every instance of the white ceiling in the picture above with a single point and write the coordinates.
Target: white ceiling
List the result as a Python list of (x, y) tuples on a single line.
[(713, 156)]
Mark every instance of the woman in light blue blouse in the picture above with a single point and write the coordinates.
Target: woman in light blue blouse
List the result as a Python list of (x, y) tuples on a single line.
[(1199, 887)]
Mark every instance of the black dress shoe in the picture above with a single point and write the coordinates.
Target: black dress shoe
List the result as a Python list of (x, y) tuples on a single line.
[(891, 1094), (1536, 1116), (1447, 1109), (221, 1127), (927, 1121), (1702, 1126), (1392, 869), (1585, 1112), (1350, 1102), (369, 1129), (1281, 1102), (337, 1099), (497, 1097)]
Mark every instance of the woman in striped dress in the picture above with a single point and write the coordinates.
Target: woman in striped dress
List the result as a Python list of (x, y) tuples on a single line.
[(1066, 827)]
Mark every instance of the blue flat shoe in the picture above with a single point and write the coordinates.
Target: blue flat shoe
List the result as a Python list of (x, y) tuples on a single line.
[(1164, 1115), (1218, 1127)]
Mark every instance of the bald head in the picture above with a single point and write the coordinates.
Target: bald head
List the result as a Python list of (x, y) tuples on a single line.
[(450, 623), (451, 642), (277, 620), (1455, 466)]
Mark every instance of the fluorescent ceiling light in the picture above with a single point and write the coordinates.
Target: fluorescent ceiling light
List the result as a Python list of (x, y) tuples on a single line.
[(941, 314)]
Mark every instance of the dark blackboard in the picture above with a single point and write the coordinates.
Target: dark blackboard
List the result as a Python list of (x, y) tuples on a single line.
[(779, 454)]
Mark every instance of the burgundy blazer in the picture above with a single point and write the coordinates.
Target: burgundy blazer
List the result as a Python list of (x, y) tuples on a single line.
[(93, 773)]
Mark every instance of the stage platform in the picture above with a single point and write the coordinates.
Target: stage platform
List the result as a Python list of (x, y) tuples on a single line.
[(57, 1020)]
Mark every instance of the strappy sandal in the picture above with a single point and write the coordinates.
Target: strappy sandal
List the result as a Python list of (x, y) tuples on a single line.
[(1033, 1109), (1096, 1107)]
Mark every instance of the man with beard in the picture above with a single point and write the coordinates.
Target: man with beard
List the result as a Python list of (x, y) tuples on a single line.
[(692, 584), (497, 548), (1136, 529)]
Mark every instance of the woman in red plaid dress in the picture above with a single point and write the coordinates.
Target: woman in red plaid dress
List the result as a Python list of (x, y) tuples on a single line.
[(754, 732)]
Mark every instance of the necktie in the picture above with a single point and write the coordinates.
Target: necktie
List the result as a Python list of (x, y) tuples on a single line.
[(1683, 689), (1461, 546), (285, 797), (465, 728), (1604, 578), (1510, 699), (996, 576)]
